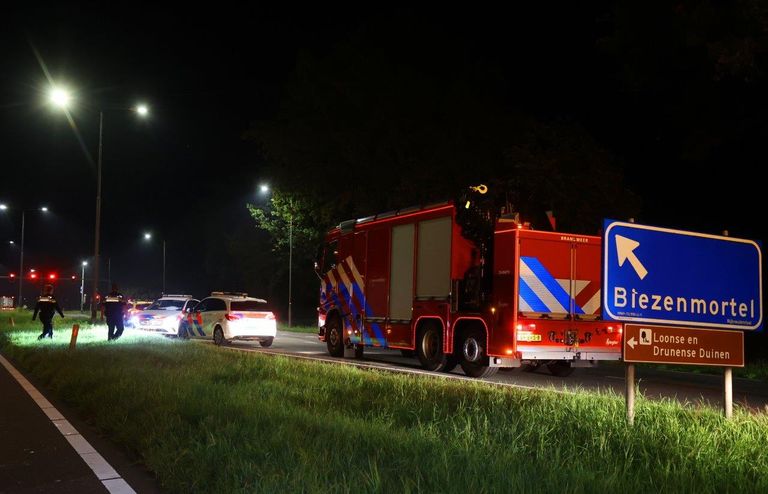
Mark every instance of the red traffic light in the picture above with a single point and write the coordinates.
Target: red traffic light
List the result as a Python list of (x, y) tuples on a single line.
[(12, 275), (32, 276), (52, 276), (73, 277)]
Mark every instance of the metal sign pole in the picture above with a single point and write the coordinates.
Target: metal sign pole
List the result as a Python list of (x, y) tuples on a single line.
[(727, 382), (630, 393), (728, 392)]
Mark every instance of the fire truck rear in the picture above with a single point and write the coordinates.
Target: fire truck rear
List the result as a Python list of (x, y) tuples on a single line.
[(478, 291)]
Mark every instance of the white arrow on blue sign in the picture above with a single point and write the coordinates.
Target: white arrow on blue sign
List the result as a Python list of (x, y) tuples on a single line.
[(658, 275)]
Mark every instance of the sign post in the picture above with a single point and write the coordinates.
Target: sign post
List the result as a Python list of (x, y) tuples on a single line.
[(686, 297)]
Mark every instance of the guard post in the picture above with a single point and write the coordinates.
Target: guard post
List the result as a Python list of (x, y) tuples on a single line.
[(73, 339)]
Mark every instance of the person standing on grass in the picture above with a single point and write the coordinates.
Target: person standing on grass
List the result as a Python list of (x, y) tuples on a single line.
[(47, 307), (114, 308)]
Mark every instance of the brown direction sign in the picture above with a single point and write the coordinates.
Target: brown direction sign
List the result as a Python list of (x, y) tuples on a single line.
[(675, 345)]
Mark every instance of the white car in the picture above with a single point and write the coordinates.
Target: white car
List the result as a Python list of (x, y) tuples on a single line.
[(228, 316), (164, 315)]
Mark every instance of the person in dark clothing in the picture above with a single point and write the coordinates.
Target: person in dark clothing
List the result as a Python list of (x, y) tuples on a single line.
[(47, 307), (114, 308)]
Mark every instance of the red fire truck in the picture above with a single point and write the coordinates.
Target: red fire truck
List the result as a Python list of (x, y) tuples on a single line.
[(457, 286)]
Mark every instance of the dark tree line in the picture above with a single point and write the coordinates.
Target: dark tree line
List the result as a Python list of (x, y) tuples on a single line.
[(557, 118)]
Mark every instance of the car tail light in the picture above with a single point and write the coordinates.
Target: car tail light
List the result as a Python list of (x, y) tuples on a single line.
[(231, 317), (270, 315)]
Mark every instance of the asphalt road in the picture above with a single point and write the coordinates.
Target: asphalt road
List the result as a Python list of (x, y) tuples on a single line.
[(688, 388)]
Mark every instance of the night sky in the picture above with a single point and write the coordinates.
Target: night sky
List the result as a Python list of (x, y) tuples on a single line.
[(677, 94)]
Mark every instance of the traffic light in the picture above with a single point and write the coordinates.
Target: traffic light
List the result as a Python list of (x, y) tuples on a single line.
[(32, 276), (52, 276)]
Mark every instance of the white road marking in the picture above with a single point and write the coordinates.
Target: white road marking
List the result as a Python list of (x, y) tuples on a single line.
[(103, 470)]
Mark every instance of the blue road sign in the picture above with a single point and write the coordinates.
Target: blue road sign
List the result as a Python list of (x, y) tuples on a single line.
[(658, 275)]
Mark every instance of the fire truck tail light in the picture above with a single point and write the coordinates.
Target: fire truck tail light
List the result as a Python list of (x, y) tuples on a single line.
[(509, 351), (519, 327), (621, 329)]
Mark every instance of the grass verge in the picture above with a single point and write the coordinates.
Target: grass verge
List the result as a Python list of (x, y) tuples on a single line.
[(208, 420), (298, 329)]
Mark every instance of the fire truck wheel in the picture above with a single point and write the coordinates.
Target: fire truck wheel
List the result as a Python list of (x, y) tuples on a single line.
[(560, 368), (218, 336), (529, 367), (451, 361), (473, 358), (429, 347), (333, 337)]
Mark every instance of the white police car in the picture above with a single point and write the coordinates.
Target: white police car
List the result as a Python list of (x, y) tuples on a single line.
[(227, 316), (164, 315)]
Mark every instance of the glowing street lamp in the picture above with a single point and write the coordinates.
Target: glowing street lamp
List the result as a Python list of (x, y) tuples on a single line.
[(4, 207), (264, 189), (82, 285), (148, 237), (60, 98)]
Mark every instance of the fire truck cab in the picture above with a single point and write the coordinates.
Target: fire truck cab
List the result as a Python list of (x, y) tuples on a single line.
[(457, 289)]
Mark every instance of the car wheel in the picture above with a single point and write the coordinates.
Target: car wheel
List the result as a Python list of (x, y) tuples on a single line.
[(334, 338), (429, 347), (560, 368), (473, 356), (267, 342), (218, 336)]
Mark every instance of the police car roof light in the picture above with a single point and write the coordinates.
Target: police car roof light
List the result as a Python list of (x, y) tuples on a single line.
[(176, 295), (236, 294)]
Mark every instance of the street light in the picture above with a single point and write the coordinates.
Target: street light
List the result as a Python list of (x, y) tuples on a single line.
[(4, 207), (264, 189), (148, 237), (61, 98), (82, 285)]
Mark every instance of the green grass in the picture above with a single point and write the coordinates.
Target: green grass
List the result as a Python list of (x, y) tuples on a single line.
[(206, 419), (298, 329), (751, 370)]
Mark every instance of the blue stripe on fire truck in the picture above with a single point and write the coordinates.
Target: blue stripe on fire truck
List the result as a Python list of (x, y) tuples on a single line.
[(548, 292), (369, 313)]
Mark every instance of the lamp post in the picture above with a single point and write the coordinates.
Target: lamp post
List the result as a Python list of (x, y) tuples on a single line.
[(264, 189), (4, 207), (148, 237), (61, 98), (82, 285)]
